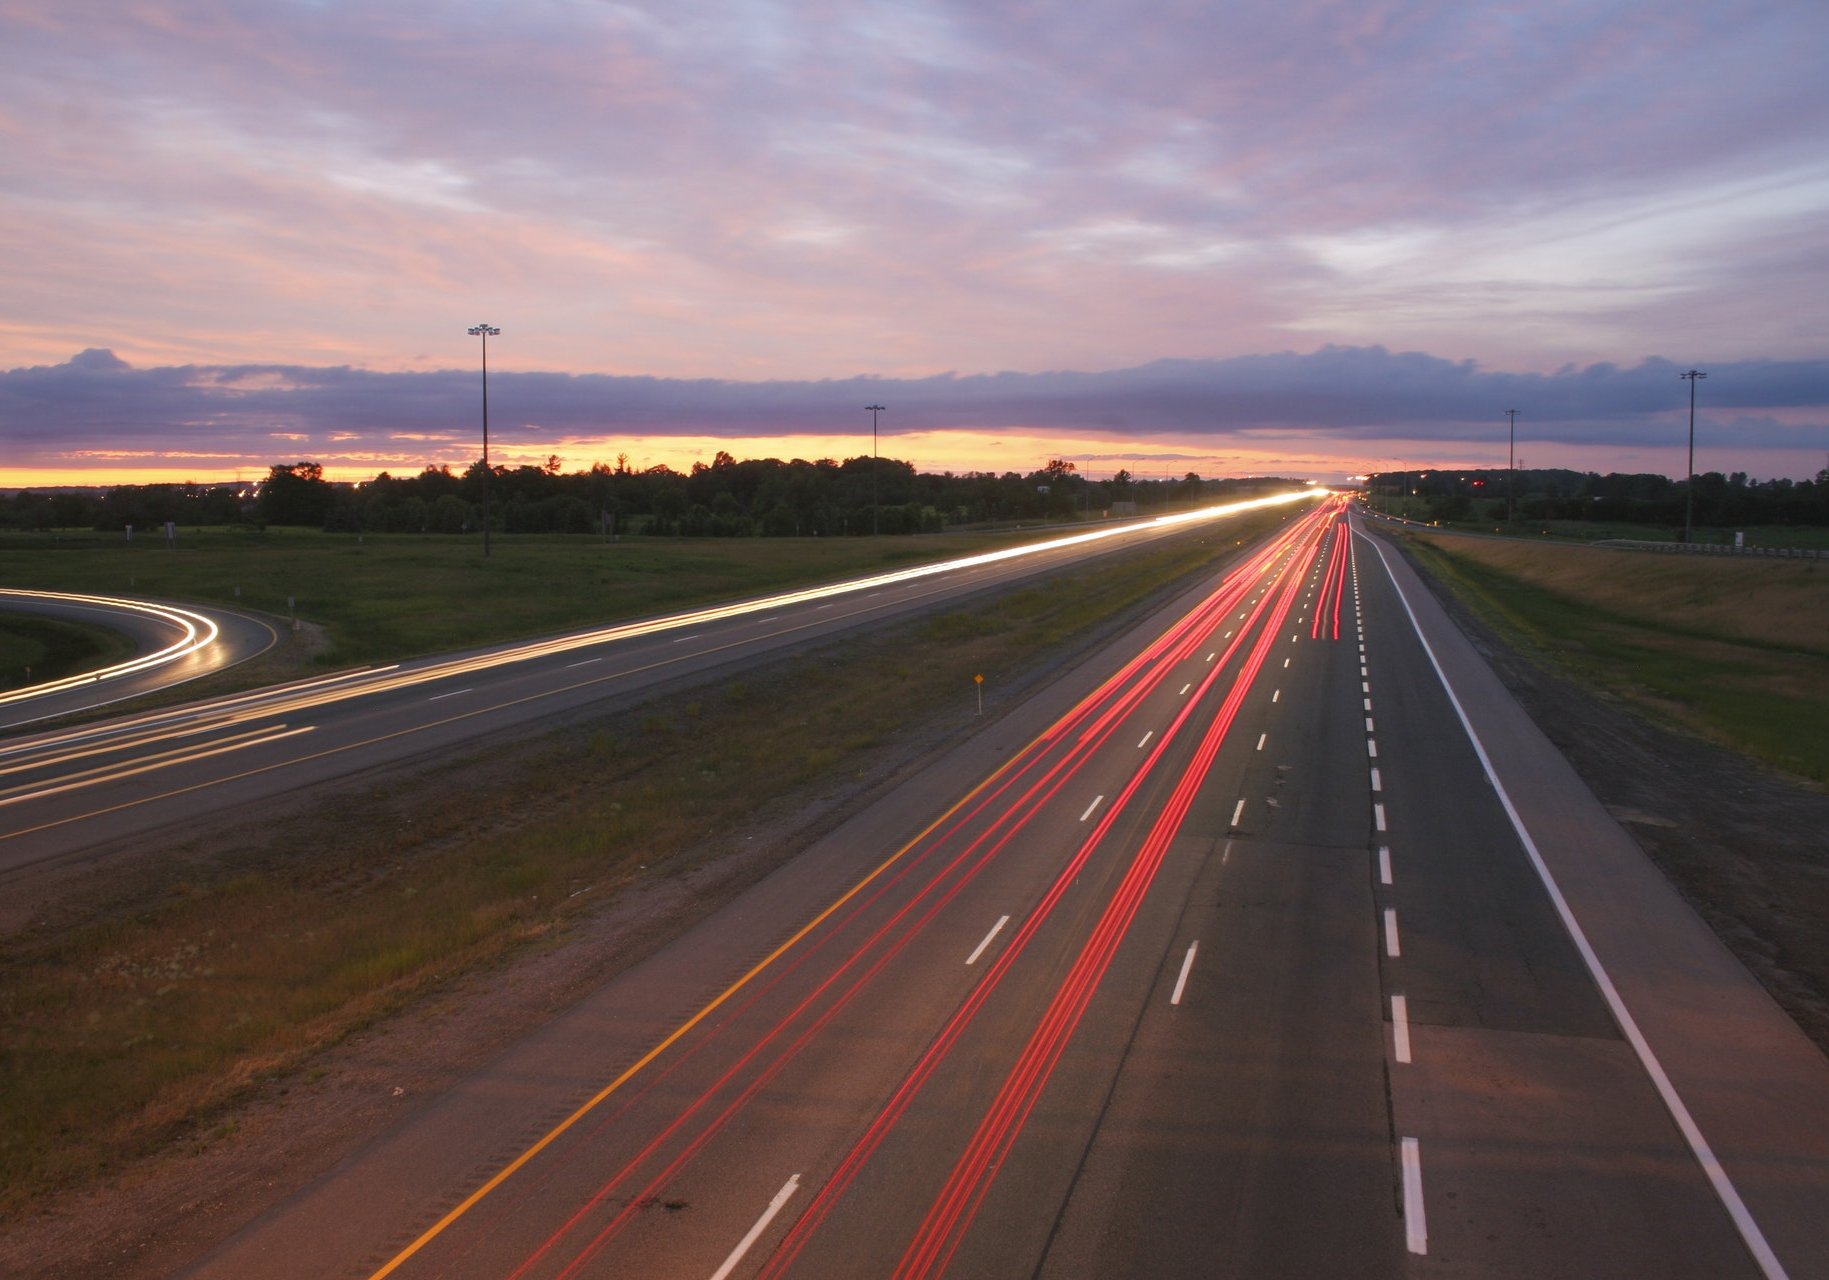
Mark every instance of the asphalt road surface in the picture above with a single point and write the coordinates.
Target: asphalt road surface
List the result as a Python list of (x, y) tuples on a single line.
[(1270, 941), (173, 644)]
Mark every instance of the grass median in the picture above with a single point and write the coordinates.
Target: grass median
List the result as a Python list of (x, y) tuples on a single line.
[(135, 1030), (1737, 650)]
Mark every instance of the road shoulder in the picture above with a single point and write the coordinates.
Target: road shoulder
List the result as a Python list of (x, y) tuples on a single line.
[(1757, 1087)]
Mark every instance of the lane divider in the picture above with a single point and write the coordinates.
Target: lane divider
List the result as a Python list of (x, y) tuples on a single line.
[(1704, 1154)]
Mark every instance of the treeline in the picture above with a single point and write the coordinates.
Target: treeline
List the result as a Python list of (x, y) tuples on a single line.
[(1720, 500), (727, 498)]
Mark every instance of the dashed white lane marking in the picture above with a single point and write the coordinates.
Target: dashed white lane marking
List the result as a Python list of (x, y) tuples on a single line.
[(1364, 687), (788, 1188), (979, 949), (1146, 737), (1276, 695), (1227, 636), (1371, 747), (1226, 854), (683, 639), (1260, 740), (1384, 864), (1096, 802), (1378, 816), (1390, 932), (1368, 724), (1362, 671), (1368, 704), (1416, 1231), (1377, 781), (587, 662), (440, 697), (1184, 690), (1724, 1188), (1238, 813), (1400, 1027), (1212, 655), (1187, 963)]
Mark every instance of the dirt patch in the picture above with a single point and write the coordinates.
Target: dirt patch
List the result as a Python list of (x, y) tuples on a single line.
[(1746, 846)]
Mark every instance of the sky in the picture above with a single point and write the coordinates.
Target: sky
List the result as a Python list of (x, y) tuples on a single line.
[(1319, 238)]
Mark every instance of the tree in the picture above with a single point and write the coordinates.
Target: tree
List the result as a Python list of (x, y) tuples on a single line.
[(297, 494)]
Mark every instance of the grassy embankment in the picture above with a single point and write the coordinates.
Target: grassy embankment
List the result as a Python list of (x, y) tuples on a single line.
[(393, 596), (1761, 535), (34, 649), (133, 1033), (1737, 650)]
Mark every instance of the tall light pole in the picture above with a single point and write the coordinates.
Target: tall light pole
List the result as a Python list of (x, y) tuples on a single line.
[(1511, 465), (485, 332), (874, 409), (1689, 488)]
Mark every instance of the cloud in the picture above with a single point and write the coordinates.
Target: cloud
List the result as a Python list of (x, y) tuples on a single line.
[(1338, 400), (747, 189)]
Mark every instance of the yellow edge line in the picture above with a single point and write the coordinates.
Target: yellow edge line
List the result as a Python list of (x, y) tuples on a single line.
[(508, 1171), (436, 1229)]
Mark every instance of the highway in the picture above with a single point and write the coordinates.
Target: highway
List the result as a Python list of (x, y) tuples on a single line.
[(173, 645), (69, 792), (1266, 942)]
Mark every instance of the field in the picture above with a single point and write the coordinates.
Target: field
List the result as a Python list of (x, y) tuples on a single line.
[(35, 649), (1774, 535), (383, 597), (131, 1027), (1735, 649)]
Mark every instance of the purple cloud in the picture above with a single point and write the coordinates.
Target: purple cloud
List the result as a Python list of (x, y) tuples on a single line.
[(748, 190), (1341, 399)]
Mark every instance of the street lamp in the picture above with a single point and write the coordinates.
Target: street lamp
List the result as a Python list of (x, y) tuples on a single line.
[(485, 332), (1689, 488), (874, 409), (1511, 465)]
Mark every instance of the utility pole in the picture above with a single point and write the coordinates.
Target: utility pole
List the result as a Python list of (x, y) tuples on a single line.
[(875, 526), (1511, 465), (1689, 488), (485, 332)]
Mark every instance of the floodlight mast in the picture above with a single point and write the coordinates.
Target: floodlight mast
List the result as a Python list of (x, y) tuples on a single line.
[(874, 409), (1689, 487), (485, 332), (1511, 465)]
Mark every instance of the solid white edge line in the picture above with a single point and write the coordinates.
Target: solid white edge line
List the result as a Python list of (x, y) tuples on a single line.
[(1187, 965), (1416, 1227), (1723, 1186), (1096, 801), (1238, 813), (1390, 933), (788, 1188), (979, 949), (1400, 1027)]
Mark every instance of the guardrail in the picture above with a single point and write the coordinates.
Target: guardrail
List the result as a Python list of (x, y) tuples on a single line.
[(1711, 549)]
